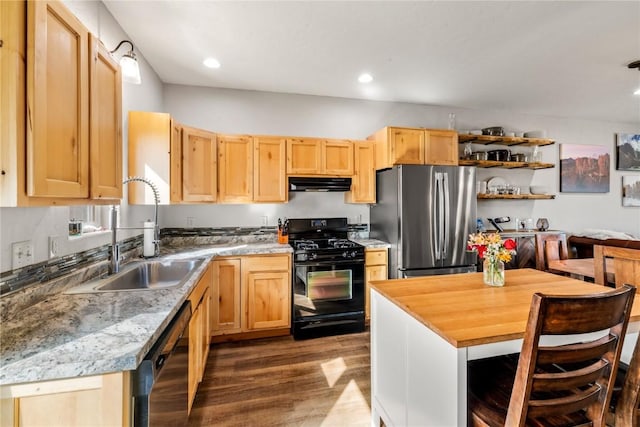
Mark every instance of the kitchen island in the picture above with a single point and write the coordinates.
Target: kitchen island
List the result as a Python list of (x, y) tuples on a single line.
[(424, 331)]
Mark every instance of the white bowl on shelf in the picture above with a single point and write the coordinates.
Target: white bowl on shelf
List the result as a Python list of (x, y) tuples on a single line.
[(538, 189), (535, 134)]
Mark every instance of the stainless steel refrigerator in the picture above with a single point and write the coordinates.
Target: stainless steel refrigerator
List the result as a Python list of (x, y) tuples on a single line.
[(426, 213)]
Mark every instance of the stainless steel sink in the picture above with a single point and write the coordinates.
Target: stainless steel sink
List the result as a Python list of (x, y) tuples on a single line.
[(143, 275)]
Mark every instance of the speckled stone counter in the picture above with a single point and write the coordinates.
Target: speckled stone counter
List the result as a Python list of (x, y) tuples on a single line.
[(372, 243), (70, 335)]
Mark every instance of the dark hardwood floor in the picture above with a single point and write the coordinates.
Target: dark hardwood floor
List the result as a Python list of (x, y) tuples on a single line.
[(282, 382)]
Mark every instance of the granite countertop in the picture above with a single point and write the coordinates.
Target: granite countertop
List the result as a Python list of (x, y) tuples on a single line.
[(71, 335), (372, 243)]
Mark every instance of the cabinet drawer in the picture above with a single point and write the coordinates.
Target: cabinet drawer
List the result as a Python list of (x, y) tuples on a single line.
[(267, 263), (375, 257)]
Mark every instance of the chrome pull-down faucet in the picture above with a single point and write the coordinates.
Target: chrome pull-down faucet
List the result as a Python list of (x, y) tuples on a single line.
[(115, 247)]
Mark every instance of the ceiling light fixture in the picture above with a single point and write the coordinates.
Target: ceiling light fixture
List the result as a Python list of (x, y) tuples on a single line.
[(635, 64), (211, 63), (129, 65), (365, 78)]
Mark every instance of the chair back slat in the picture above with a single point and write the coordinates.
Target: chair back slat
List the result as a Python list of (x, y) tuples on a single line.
[(563, 380), (564, 405), (549, 247), (586, 382), (590, 313), (578, 352)]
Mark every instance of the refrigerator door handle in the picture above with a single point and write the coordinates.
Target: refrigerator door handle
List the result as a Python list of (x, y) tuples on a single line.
[(436, 218), (441, 216), (446, 216)]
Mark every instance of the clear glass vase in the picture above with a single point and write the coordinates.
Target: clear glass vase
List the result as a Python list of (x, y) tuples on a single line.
[(493, 272)]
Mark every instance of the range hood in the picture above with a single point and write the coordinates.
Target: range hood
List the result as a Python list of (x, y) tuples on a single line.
[(319, 184)]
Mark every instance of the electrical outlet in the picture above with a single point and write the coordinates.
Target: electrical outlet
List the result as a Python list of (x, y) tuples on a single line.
[(22, 254), (265, 220), (190, 221), (54, 246)]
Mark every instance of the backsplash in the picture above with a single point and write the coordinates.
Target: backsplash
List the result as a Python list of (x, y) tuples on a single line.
[(49, 270), (34, 283)]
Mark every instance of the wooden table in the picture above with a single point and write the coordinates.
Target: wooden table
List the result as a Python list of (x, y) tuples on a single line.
[(581, 268), (424, 331)]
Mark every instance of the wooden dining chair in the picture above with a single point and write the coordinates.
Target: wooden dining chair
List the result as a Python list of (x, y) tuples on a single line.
[(550, 247), (555, 385), (626, 265), (625, 400)]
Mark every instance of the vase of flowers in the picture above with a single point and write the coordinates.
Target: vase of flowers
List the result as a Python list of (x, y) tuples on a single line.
[(495, 252)]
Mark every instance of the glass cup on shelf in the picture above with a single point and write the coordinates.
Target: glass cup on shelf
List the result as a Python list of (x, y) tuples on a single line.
[(467, 151), (528, 224), (518, 224), (536, 154)]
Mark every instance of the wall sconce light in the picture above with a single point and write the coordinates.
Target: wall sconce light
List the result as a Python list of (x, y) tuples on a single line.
[(635, 64), (129, 65)]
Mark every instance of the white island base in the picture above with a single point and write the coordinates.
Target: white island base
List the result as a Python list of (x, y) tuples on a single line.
[(419, 379)]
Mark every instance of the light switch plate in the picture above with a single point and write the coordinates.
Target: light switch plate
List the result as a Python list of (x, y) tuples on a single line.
[(22, 254)]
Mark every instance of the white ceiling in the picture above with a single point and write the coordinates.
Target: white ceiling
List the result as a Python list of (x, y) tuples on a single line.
[(555, 58)]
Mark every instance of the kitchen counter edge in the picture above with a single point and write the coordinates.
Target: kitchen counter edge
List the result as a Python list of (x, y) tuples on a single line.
[(69, 336)]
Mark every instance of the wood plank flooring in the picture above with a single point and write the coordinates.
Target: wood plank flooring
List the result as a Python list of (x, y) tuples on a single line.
[(282, 382)]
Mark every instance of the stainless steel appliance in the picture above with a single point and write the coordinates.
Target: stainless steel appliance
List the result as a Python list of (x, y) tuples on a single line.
[(328, 278), (161, 382), (426, 213)]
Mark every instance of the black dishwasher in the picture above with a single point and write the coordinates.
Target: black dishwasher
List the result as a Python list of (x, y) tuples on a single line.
[(161, 381)]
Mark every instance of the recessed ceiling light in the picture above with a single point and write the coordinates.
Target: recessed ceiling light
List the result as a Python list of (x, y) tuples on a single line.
[(365, 78), (211, 63)]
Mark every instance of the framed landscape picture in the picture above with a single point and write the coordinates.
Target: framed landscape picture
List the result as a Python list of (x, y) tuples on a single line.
[(628, 152), (631, 190), (584, 168)]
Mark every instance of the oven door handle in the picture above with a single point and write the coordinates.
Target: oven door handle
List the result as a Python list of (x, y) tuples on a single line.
[(328, 263)]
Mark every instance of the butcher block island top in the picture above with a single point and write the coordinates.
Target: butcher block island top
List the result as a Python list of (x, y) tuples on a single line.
[(465, 312)]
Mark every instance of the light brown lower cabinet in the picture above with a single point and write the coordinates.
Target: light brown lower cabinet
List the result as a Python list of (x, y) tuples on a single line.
[(99, 400), (251, 293), (199, 332), (375, 265)]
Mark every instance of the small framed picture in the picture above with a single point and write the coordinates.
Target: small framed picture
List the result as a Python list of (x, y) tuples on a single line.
[(584, 168), (631, 190), (628, 152)]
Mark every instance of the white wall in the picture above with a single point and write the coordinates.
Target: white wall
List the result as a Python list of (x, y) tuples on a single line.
[(237, 111), (37, 224)]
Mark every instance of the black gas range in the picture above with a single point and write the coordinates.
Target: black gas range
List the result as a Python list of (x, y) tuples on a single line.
[(328, 278)]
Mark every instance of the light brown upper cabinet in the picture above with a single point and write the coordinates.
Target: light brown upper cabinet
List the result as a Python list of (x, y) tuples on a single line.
[(12, 103), (154, 153), (269, 171), (199, 171), (235, 168), (180, 160), (313, 156), (106, 123), (61, 108), (363, 182), (403, 146), (57, 102), (440, 147), (337, 157)]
